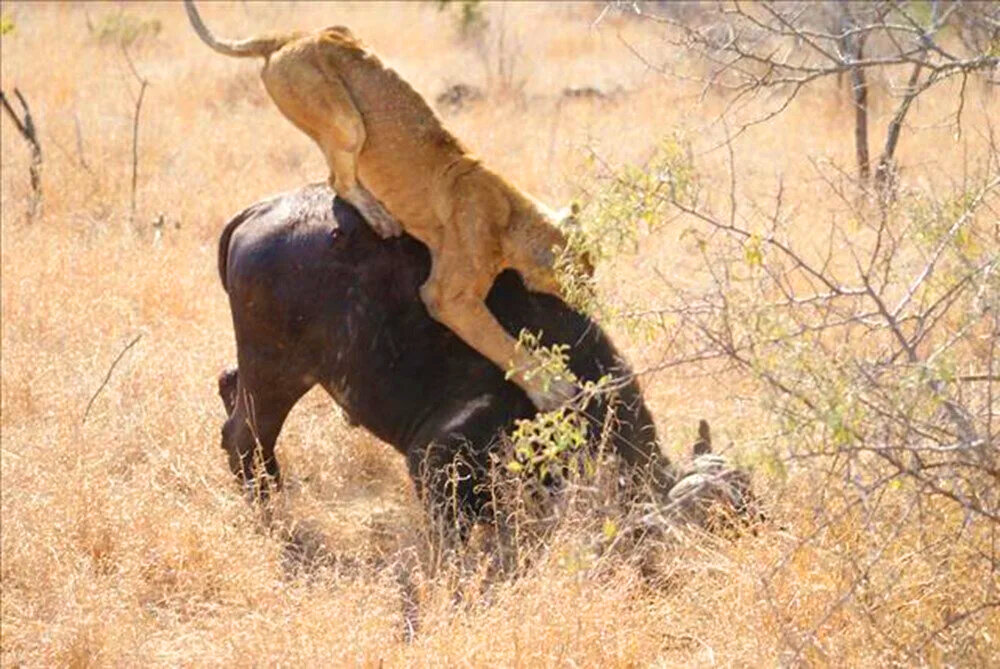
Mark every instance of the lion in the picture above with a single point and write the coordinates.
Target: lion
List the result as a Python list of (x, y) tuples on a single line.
[(391, 157)]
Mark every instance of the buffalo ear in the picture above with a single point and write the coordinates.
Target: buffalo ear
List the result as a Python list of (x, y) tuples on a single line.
[(704, 443)]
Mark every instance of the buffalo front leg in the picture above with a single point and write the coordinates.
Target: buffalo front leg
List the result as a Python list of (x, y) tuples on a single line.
[(251, 431), (446, 481)]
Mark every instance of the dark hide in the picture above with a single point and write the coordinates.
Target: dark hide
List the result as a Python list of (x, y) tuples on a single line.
[(316, 297)]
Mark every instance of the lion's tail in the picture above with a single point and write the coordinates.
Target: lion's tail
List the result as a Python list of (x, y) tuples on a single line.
[(246, 48)]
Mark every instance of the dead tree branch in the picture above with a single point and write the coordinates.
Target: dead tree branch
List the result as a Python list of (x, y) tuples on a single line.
[(779, 49), (81, 155), (107, 377), (143, 83), (26, 127)]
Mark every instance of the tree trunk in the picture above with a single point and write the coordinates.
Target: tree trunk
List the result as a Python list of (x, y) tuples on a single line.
[(852, 47)]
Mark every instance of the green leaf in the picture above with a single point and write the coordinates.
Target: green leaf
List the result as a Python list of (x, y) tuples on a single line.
[(752, 252), (6, 24)]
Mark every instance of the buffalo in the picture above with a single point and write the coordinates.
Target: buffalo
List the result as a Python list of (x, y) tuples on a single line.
[(318, 298)]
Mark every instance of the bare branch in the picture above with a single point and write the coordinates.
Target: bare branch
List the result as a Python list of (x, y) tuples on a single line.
[(143, 83), (26, 127), (107, 376), (769, 46)]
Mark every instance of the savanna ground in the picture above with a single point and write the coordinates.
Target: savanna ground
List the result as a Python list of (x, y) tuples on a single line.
[(124, 539)]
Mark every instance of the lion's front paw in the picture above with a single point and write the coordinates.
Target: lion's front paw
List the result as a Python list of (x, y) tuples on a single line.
[(558, 394), (382, 222)]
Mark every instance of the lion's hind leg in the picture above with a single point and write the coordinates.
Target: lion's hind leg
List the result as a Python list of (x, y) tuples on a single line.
[(344, 181), (315, 99)]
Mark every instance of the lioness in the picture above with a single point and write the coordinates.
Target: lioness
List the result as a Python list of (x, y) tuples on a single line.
[(381, 140)]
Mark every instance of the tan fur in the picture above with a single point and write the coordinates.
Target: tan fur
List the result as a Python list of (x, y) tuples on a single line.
[(390, 156)]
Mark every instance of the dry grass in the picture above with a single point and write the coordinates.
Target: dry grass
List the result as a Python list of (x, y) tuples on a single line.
[(124, 540)]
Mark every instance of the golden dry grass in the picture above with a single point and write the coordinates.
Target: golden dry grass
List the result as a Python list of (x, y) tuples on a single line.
[(124, 540)]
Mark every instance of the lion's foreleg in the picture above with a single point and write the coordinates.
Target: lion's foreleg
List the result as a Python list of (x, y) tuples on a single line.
[(466, 315), (463, 267)]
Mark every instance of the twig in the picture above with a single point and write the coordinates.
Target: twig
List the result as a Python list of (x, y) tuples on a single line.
[(107, 376), (79, 143), (883, 172), (951, 620), (135, 123), (27, 129)]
